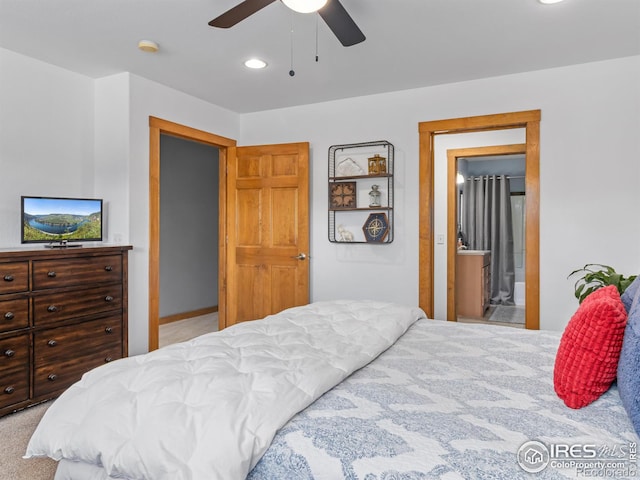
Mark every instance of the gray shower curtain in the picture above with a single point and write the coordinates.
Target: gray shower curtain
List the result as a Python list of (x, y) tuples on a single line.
[(487, 225)]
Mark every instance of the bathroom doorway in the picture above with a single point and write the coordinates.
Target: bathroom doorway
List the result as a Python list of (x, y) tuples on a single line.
[(486, 202), (529, 122)]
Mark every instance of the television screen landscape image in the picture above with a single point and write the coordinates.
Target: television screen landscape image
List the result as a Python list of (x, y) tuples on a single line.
[(61, 220)]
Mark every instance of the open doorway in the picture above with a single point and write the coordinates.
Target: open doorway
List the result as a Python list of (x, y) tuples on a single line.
[(189, 239), (428, 132), (486, 200), (225, 146)]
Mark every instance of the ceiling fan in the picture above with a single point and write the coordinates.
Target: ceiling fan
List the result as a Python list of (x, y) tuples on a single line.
[(333, 14)]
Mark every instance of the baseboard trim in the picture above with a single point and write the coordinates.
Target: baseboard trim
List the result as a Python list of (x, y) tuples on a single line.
[(184, 315)]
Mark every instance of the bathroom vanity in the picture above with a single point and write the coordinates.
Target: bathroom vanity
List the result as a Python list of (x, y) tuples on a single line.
[(473, 282)]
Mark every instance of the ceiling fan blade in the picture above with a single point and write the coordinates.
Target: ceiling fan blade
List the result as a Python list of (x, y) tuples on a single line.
[(341, 23), (239, 13)]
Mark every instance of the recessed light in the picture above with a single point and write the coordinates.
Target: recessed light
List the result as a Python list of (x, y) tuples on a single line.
[(255, 63), (549, 2), (148, 46)]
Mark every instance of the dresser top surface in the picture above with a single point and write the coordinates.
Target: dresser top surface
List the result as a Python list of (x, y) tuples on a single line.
[(43, 252)]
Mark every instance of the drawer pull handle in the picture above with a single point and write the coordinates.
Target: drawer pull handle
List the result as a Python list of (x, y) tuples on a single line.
[(52, 308), (108, 268), (8, 278), (9, 353), (108, 359), (52, 377), (9, 390), (108, 330), (52, 343), (51, 274), (108, 298), (9, 315)]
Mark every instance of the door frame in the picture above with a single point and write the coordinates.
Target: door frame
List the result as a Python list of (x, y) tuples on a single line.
[(452, 209), (530, 121), (226, 147)]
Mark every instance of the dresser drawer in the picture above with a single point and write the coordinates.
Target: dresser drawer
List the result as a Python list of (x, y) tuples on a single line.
[(14, 352), (60, 306), (14, 314), (57, 345), (63, 355), (52, 380), (14, 385), (14, 277), (14, 369), (76, 271)]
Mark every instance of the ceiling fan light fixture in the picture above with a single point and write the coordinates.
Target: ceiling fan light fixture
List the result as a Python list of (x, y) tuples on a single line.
[(305, 6)]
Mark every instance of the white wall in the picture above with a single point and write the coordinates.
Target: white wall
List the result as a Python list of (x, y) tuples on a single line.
[(112, 138), (589, 142), (46, 136), (146, 98)]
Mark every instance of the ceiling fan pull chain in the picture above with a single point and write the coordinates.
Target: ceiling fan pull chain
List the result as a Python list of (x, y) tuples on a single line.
[(317, 17), (292, 71)]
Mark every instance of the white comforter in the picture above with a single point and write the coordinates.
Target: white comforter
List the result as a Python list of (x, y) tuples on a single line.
[(209, 408)]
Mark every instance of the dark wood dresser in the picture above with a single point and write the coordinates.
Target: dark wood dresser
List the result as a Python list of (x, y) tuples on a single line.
[(62, 313)]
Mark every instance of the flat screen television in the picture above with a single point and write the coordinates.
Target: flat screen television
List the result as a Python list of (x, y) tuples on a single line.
[(56, 221)]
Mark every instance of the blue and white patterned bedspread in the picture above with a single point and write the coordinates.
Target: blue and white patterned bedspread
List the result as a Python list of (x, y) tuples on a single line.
[(450, 401)]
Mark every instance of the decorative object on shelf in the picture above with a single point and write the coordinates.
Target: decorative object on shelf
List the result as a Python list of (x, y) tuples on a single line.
[(382, 165), (348, 168), (353, 169), (344, 235), (374, 196), (342, 195), (377, 165), (376, 228)]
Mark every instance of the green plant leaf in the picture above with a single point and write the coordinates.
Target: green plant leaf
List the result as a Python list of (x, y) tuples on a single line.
[(595, 276)]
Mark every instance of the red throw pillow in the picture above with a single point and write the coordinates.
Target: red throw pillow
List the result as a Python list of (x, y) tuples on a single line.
[(589, 350)]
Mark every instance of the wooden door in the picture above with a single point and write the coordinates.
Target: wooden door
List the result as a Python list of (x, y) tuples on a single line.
[(268, 230)]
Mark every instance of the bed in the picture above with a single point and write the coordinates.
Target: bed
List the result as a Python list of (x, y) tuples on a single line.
[(360, 390)]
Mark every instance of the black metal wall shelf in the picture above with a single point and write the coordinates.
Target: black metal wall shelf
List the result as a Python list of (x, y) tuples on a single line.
[(361, 192)]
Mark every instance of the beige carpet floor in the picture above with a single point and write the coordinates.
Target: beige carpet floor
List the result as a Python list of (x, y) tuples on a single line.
[(187, 329), (15, 432)]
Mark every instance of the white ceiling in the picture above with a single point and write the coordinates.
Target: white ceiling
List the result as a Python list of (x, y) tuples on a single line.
[(410, 43)]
